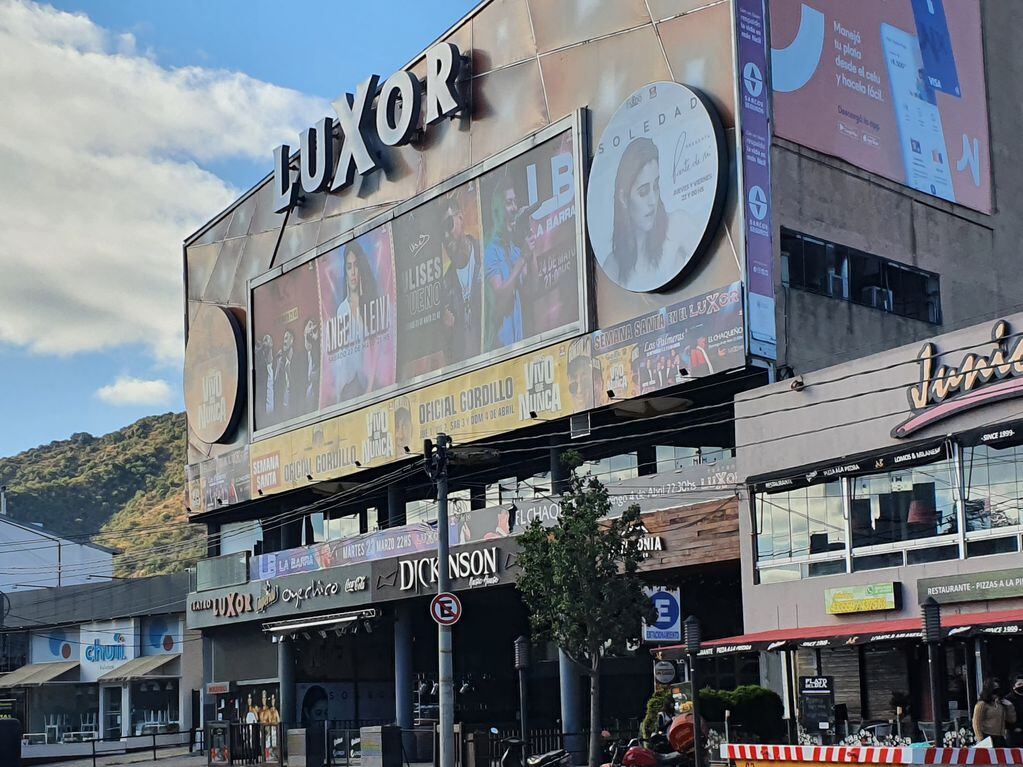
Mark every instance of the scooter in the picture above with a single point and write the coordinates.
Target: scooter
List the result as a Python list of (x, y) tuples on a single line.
[(512, 756)]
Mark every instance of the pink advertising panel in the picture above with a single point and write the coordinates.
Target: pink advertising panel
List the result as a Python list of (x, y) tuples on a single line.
[(896, 88)]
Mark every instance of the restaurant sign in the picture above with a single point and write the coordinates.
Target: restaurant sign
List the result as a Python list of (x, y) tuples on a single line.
[(972, 587), (942, 391), (869, 597)]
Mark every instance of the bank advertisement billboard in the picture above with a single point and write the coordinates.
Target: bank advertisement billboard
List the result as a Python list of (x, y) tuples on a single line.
[(895, 88), (487, 268)]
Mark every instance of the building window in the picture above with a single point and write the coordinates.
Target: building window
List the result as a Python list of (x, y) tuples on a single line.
[(801, 522), (339, 528), (612, 469), (994, 487), (236, 537), (903, 505), (830, 269)]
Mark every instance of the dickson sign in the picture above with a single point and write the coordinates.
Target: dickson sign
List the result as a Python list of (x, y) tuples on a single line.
[(480, 567), (330, 157), (942, 391)]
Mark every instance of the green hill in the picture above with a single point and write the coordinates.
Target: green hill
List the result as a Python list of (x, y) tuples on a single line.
[(124, 490)]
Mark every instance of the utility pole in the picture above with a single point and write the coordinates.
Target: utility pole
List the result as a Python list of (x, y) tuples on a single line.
[(437, 468)]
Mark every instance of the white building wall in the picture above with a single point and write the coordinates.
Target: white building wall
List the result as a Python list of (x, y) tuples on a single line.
[(34, 559)]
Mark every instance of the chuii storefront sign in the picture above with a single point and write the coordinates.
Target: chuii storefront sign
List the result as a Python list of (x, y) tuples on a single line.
[(329, 160), (106, 645)]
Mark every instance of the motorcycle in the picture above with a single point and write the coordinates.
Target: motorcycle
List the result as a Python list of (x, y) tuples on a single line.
[(512, 756)]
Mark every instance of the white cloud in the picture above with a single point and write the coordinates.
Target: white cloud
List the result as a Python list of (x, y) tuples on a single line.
[(100, 181), (127, 391)]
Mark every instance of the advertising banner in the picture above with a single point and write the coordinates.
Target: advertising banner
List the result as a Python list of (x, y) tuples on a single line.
[(531, 263), (357, 318), (490, 266), (54, 645), (223, 480), (751, 48), (693, 338), (869, 597), (972, 587), (895, 88), (162, 635)]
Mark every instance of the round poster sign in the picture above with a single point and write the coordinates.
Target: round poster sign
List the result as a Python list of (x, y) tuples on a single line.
[(656, 186), (213, 373)]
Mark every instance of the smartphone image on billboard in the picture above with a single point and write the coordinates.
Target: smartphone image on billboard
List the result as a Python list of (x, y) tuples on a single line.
[(936, 46), (924, 155)]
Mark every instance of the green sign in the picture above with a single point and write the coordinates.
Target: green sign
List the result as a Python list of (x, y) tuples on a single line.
[(860, 599), (972, 587)]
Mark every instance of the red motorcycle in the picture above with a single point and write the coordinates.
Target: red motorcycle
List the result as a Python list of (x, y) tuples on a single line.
[(658, 750)]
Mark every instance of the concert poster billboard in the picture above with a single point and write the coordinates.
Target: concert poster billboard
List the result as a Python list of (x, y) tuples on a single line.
[(896, 88), (668, 346), (286, 346), (439, 263), (357, 318), (531, 261)]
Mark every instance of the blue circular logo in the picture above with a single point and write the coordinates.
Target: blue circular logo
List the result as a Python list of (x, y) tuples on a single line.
[(57, 638), (667, 609)]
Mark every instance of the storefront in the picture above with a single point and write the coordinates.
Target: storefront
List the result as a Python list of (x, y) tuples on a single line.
[(104, 679), (874, 486)]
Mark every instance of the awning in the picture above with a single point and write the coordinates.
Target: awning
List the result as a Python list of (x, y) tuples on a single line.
[(1005, 622), (35, 674), (140, 668)]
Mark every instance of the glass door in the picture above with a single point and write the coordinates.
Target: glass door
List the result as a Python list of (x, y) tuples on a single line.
[(112, 713)]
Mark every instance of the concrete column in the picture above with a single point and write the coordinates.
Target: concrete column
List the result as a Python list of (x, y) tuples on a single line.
[(571, 715), (286, 682), (403, 673), (395, 505), (646, 458)]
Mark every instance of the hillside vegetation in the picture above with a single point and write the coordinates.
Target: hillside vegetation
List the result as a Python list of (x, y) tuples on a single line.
[(125, 489)]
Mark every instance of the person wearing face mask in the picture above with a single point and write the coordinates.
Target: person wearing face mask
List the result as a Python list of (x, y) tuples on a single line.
[(1016, 699), (993, 717)]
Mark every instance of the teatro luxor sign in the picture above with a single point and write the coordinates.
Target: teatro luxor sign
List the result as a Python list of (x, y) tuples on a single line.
[(330, 158), (942, 391), (656, 187)]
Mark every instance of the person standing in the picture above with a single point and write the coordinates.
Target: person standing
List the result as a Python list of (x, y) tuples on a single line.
[(508, 265), (993, 716), (1016, 699)]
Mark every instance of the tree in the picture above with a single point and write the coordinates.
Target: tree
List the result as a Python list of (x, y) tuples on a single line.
[(580, 584)]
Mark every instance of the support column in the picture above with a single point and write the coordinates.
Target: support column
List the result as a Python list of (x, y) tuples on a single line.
[(395, 506), (286, 683), (571, 716), (646, 459), (403, 673)]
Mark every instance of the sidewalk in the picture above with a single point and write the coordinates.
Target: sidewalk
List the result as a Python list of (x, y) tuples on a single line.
[(170, 757)]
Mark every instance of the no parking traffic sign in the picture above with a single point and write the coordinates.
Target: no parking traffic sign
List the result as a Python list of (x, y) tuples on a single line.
[(446, 609)]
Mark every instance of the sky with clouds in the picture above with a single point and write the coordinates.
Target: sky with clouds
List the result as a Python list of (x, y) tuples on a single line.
[(125, 126)]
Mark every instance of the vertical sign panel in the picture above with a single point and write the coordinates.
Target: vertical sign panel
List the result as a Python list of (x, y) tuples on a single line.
[(751, 48)]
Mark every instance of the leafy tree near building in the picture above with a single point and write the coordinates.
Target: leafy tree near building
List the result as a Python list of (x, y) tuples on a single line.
[(579, 580)]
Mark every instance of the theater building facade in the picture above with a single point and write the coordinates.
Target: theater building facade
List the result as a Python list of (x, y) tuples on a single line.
[(562, 225)]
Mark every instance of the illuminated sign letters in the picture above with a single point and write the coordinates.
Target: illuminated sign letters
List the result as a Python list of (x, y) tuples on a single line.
[(362, 127)]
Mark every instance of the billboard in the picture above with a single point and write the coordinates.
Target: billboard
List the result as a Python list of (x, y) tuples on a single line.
[(895, 88), (479, 271)]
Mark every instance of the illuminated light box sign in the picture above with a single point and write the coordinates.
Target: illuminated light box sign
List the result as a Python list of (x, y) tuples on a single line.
[(870, 597), (105, 645)]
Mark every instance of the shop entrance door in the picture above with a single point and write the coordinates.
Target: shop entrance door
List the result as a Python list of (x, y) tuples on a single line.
[(112, 713)]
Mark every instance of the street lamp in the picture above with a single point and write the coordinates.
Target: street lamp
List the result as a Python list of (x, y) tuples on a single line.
[(692, 629), (932, 636)]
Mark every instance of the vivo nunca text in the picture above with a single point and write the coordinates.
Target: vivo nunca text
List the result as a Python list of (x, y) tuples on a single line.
[(330, 156), (942, 391)]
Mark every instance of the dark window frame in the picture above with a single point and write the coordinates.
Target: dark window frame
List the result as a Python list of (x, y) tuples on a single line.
[(859, 277)]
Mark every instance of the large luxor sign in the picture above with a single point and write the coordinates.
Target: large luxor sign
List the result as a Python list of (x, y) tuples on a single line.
[(942, 391), (896, 88), (656, 186), (330, 160)]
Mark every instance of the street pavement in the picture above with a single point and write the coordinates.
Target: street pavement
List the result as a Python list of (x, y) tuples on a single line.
[(171, 757)]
